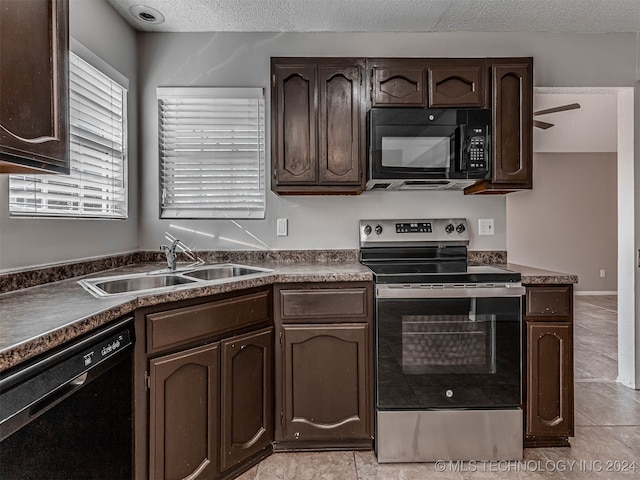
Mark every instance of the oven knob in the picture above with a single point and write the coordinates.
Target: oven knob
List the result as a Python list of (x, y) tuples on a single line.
[(378, 229), (367, 230), (448, 228), (449, 393), (460, 228)]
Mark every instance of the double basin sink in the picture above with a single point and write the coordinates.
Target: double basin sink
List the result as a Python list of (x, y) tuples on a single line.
[(137, 283)]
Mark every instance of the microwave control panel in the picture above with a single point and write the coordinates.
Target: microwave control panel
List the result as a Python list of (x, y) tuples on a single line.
[(477, 159)]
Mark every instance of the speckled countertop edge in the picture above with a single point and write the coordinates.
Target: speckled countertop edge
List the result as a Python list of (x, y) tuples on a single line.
[(536, 276), (54, 313), (37, 319)]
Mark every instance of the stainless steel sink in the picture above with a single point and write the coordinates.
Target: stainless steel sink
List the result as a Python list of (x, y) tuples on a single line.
[(139, 283), (216, 272), (152, 282)]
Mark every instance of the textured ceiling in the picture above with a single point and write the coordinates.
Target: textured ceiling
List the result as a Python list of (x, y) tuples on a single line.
[(586, 16)]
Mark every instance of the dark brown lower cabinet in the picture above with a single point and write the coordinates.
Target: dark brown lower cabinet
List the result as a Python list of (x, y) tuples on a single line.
[(204, 386), (325, 370), (183, 433), (549, 406), (550, 403), (324, 365), (247, 396)]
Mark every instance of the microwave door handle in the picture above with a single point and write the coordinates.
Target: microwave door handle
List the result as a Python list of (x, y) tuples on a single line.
[(463, 147)]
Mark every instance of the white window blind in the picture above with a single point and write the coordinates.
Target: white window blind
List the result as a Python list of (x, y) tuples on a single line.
[(212, 152), (96, 185)]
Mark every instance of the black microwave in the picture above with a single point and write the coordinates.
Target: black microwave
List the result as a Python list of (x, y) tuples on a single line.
[(411, 148)]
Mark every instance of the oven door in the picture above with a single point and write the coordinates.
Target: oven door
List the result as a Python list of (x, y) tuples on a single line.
[(441, 348)]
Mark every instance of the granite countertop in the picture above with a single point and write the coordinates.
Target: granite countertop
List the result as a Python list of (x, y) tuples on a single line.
[(532, 276), (36, 319)]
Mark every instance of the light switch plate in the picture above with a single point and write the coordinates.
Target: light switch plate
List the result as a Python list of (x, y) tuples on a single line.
[(281, 229), (485, 226)]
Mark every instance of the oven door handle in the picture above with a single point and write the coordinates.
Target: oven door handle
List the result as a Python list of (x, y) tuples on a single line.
[(404, 291)]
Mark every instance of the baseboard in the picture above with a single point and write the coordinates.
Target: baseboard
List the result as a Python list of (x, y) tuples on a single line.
[(596, 292)]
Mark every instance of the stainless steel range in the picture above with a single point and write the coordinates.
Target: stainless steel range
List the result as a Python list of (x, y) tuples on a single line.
[(448, 345)]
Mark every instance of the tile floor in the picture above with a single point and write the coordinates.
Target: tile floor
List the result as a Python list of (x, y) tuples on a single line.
[(607, 430)]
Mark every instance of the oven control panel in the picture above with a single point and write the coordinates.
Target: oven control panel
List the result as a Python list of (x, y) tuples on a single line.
[(418, 227), (410, 231)]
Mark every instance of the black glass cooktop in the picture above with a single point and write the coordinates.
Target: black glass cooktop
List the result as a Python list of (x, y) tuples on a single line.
[(440, 272)]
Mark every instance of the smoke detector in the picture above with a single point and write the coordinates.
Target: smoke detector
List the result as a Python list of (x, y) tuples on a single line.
[(146, 15)]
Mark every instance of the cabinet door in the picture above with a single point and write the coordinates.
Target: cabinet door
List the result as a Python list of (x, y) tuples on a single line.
[(512, 104), (247, 396), (183, 432), (326, 392), (456, 86), (34, 64), (397, 86), (341, 125), (549, 379), (294, 123)]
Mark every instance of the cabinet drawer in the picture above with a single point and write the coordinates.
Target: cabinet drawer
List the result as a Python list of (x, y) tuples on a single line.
[(183, 325), (321, 304), (549, 301)]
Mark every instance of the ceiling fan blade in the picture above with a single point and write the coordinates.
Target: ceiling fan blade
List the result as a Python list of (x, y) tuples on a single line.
[(562, 108), (542, 125)]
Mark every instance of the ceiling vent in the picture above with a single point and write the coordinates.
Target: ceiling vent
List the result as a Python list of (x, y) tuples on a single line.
[(146, 15)]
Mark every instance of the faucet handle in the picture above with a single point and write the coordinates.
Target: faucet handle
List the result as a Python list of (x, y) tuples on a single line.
[(172, 248)]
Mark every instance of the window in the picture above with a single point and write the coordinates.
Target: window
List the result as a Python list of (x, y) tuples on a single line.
[(212, 152), (96, 185)]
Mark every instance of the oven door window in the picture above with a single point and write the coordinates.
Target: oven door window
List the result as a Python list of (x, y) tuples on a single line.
[(453, 352)]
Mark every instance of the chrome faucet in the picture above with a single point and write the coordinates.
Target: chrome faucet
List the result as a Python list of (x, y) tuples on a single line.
[(170, 252)]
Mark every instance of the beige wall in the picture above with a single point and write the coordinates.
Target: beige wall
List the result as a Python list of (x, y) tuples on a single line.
[(242, 59), (568, 222)]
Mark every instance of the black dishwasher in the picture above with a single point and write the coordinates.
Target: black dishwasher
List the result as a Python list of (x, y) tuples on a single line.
[(67, 414)]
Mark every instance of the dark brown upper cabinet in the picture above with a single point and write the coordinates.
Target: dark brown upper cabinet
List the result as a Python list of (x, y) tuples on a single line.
[(318, 125), (34, 80), (512, 125), (397, 83), (456, 85), (428, 82)]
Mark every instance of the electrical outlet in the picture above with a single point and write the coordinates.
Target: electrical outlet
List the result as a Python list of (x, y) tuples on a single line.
[(282, 230), (485, 226), (603, 273)]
